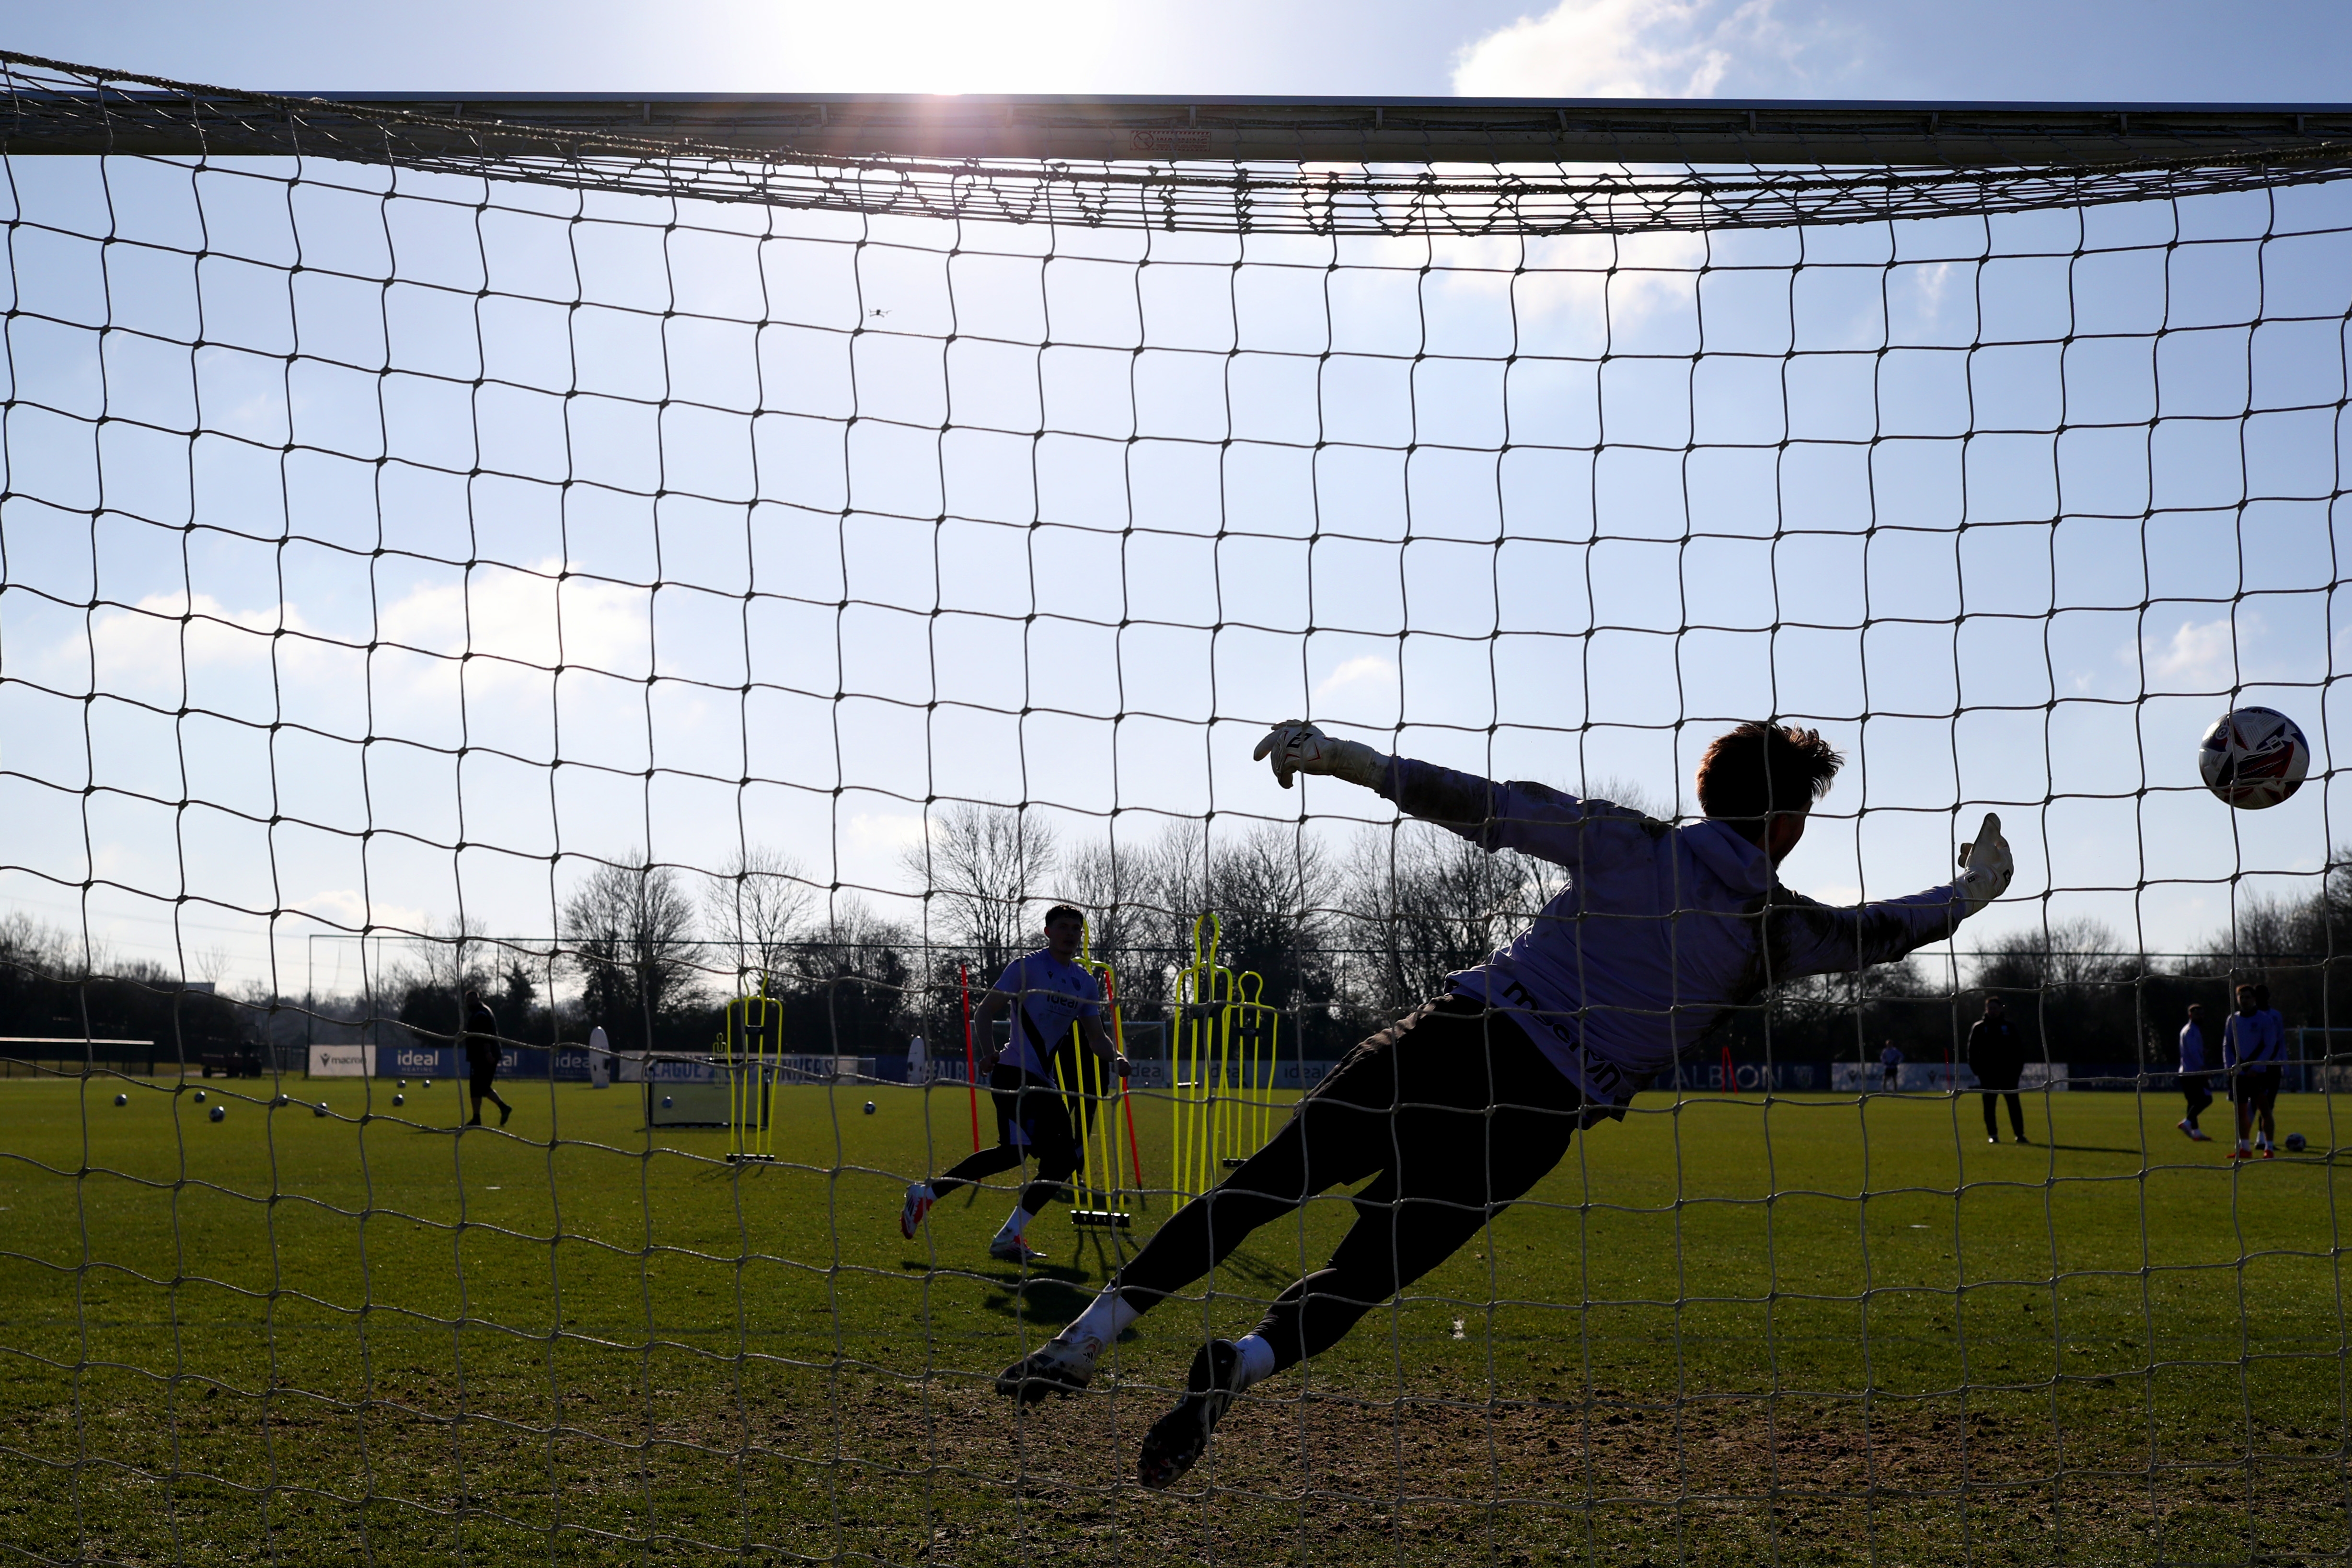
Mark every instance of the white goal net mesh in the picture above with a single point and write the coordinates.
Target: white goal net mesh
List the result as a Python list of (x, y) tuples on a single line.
[(620, 581)]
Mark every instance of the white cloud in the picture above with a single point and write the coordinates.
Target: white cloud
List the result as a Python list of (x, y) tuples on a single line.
[(1931, 282), (1612, 282), (1619, 49), (349, 909), (872, 832), (533, 618), (2201, 655), (169, 628), (1365, 669)]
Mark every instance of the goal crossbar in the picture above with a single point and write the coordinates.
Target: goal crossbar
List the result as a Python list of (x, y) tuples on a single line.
[(1465, 166), (182, 117)]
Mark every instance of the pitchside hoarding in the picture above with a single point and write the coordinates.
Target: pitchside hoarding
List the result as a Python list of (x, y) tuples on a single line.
[(568, 1063)]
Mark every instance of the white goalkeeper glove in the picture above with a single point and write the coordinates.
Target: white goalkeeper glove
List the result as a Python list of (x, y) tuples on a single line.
[(1985, 866), (1301, 748)]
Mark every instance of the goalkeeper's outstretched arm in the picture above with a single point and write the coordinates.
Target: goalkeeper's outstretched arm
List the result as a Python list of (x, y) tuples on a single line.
[(1587, 835)]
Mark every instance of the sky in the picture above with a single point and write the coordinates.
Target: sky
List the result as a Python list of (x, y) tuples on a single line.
[(2151, 49), (1550, 606)]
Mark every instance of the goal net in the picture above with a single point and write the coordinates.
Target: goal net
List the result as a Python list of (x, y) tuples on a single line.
[(645, 625)]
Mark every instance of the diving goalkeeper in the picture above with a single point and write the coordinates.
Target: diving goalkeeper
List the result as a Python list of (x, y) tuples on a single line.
[(1458, 1110)]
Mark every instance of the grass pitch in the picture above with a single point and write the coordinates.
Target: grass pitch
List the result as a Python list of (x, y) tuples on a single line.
[(1728, 1331)]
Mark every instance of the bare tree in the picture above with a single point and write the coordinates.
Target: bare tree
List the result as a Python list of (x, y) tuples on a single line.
[(1112, 883), (1420, 903), (755, 910), (2070, 989), (979, 867), (629, 929), (850, 983), (2266, 932), (2068, 953), (427, 990), (1140, 897), (1176, 892), (1275, 894)]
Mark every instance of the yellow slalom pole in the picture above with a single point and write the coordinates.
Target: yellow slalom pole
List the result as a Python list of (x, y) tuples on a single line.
[(1101, 1199), (1272, 1022), (728, 1053), (769, 1041), (1249, 1018), (1198, 1059), (750, 1052), (1179, 1081), (1220, 1088), (1265, 1033)]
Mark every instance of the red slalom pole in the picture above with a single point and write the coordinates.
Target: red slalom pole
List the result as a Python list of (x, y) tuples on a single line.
[(1126, 1096), (1730, 1072), (1127, 1102), (970, 1064)]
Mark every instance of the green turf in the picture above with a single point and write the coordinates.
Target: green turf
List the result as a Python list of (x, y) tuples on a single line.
[(1722, 1332)]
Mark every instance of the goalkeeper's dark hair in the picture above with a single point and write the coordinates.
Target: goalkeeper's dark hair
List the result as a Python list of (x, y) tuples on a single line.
[(1063, 911), (1758, 769)]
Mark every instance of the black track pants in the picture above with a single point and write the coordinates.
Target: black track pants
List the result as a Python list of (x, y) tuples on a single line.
[(1452, 1112), (1033, 1121), (2016, 1113)]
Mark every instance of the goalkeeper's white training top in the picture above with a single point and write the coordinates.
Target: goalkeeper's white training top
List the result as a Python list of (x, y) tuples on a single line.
[(1661, 931)]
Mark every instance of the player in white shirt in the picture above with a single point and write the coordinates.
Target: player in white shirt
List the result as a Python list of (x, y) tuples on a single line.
[(1048, 991)]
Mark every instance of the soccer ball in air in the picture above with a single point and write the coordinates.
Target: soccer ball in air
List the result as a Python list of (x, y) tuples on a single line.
[(2253, 757), (2293, 1141), (664, 1102), (869, 1107), (220, 1113), (125, 1099)]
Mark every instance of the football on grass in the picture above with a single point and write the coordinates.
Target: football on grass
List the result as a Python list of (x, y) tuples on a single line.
[(2253, 757), (2293, 1141)]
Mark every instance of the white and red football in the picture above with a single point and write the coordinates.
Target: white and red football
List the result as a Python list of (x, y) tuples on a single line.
[(2253, 757)]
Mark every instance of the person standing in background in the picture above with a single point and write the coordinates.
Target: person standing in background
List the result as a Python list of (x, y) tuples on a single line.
[(1999, 1056), (2193, 1087), (2278, 1024), (1891, 1060), (2252, 1045), (480, 1040)]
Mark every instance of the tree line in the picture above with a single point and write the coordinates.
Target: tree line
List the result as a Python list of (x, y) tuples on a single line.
[(1346, 938)]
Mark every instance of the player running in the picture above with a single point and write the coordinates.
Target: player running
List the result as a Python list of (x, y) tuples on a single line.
[(2254, 1045), (1460, 1108), (482, 1048), (1048, 990)]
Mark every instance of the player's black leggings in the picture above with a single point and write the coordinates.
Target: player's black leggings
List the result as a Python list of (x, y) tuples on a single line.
[(1037, 1107), (482, 1073), (1458, 1114), (2016, 1113)]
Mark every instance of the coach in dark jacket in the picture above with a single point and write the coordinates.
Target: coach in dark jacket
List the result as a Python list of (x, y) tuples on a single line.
[(1999, 1055), (483, 1048)]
